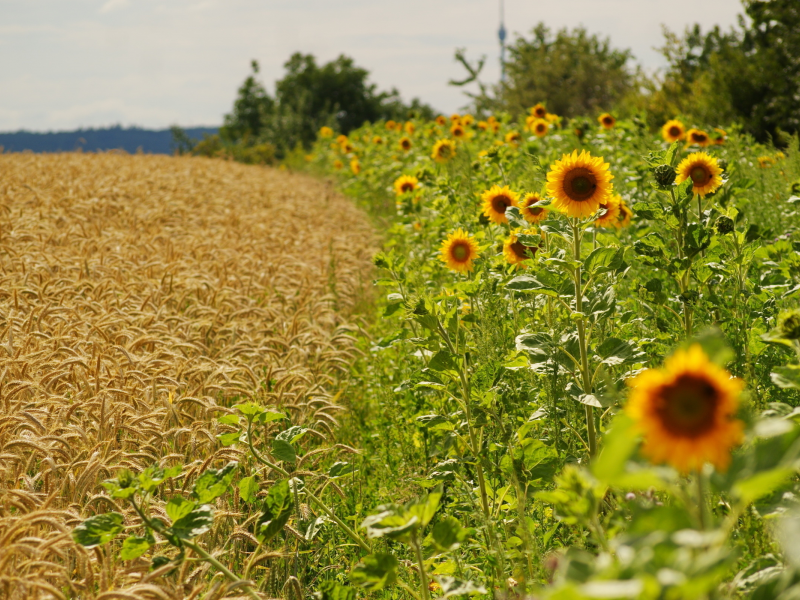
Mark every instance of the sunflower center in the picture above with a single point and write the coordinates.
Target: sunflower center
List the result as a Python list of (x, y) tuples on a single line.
[(700, 175), (536, 210), (444, 151), (520, 250), (460, 251), (674, 131), (500, 204), (688, 406), (580, 184), (407, 187), (608, 121)]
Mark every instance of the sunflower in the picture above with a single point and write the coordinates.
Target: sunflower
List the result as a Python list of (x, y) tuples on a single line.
[(467, 120), (514, 251), (341, 139), (686, 411), (765, 162), (377, 140), (606, 120), (410, 128), (491, 119), (704, 171), (309, 157), (457, 131), (346, 147), (405, 144), (325, 132), (355, 166), (513, 138), (337, 164), (483, 125), (529, 210), (459, 250), (552, 118), (455, 117), (494, 126), (613, 209), (495, 202), (539, 111), (719, 137), (625, 215), (697, 137), (390, 124), (405, 184), (673, 131), (443, 150), (539, 127), (579, 183)]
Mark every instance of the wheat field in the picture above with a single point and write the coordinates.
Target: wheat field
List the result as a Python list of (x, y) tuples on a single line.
[(140, 296)]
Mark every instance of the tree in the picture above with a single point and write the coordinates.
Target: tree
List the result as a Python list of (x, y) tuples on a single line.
[(251, 109), (572, 72)]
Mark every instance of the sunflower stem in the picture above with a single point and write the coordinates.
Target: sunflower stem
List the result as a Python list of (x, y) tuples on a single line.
[(701, 500)]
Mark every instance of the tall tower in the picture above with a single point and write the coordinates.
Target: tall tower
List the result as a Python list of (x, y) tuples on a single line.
[(502, 35)]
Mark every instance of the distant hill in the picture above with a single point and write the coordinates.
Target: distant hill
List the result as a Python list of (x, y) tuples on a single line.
[(131, 139)]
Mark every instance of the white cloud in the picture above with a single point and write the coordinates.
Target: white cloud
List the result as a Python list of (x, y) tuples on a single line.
[(112, 5)]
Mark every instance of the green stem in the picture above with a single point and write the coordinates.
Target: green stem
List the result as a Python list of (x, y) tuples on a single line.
[(701, 501), (423, 577), (221, 568)]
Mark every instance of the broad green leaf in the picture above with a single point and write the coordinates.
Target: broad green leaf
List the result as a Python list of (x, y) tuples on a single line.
[(331, 590), (340, 469), (614, 351), (650, 245), (248, 489), (392, 521), (232, 419), (762, 484), (426, 507), (152, 477), (787, 377), (283, 451), (212, 483), (179, 507), (268, 416), (448, 534), (292, 434), (134, 547), (603, 258), (229, 439), (443, 361), (375, 572), (276, 510), (249, 409), (98, 530), (619, 444), (528, 283), (456, 587), (197, 522)]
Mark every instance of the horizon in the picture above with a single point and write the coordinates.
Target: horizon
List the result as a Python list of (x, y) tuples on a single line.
[(153, 64)]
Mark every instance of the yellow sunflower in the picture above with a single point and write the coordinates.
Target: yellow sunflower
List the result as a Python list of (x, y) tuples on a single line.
[(377, 140), (673, 131), (410, 128), (697, 137), (341, 139), (539, 127), (613, 209), (494, 126), (390, 124), (765, 162), (405, 144), (529, 210), (514, 251), (459, 250), (337, 164), (443, 150), (539, 111), (552, 118), (483, 125), (579, 183), (703, 169), (606, 120), (440, 120), (720, 135), (513, 138), (686, 411), (625, 215), (355, 166), (467, 120), (405, 184), (496, 200), (325, 132), (491, 119), (455, 117), (457, 131)]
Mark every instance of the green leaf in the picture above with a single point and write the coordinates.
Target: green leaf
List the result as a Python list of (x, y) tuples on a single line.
[(528, 283), (292, 434), (283, 451), (232, 419), (648, 210), (276, 510), (614, 351), (443, 361), (392, 521), (197, 522), (456, 587), (268, 416), (152, 477), (213, 483), (427, 507), (340, 469), (448, 534), (619, 444), (229, 439), (539, 459), (375, 572), (651, 245), (669, 156), (134, 547), (603, 259), (762, 484), (98, 530), (249, 409), (179, 507), (331, 590), (248, 489), (787, 377)]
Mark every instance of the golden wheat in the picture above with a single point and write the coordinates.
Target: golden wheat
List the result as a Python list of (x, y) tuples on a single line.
[(138, 296)]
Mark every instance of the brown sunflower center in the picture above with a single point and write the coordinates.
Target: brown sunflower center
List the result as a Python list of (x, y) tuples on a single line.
[(444, 151), (500, 204), (580, 184), (540, 127), (407, 187), (406, 144), (700, 175), (521, 250), (608, 120), (535, 210), (699, 137), (688, 406), (541, 113), (460, 251), (458, 132), (674, 131)]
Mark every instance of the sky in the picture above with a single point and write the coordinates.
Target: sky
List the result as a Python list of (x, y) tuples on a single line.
[(66, 64)]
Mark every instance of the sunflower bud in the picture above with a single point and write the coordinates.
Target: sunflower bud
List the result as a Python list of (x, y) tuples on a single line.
[(723, 164), (664, 175), (724, 225), (789, 325)]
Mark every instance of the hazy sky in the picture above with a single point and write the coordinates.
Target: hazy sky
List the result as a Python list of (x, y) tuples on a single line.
[(71, 63)]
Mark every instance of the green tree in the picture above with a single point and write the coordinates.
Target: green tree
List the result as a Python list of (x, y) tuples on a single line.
[(572, 72), (251, 109)]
